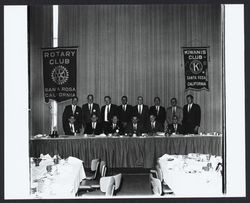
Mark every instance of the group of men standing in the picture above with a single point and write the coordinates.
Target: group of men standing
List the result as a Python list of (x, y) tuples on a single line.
[(113, 119)]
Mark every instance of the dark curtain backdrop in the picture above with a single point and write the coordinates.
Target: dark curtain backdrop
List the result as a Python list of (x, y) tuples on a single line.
[(40, 36), (136, 50)]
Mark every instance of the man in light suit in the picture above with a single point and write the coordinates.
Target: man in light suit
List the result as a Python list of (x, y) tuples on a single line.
[(107, 112), (191, 116), (88, 109), (175, 127), (75, 110), (125, 111), (158, 110), (174, 110), (93, 127), (141, 111)]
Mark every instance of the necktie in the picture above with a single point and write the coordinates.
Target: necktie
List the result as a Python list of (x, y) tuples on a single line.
[(90, 108), (189, 107), (114, 125), (71, 128), (152, 125), (124, 108), (175, 127), (140, 109), (73, 109), (93, 125)]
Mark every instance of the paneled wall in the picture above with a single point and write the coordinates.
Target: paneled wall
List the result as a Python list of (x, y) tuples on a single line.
[(136, 50)]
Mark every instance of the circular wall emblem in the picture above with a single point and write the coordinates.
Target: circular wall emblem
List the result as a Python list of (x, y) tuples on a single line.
[(60, 75), (196, 67)]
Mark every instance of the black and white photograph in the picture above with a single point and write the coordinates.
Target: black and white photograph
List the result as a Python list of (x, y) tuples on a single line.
[(128, 101)]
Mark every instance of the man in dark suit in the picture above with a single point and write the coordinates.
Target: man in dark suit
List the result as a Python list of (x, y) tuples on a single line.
[(88, 109), (75, 110), (125, 111), (107, 112), (174, 110), (175, 127), (115, 127), (71, 128), (93, 127), (134, 127), (154, 126), (191, 116), (141, 111), (158, 110)]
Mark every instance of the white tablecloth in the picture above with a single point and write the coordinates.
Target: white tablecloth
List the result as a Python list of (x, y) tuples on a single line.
[(62, 182), (186, 177)]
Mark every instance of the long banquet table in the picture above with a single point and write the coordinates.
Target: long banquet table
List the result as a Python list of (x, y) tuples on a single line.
[(124, 152)]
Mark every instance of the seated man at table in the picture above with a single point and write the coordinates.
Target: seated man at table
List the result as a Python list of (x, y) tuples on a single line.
[(154, 126), (175, 127), (93, 127), (71, 128), (115, 127), (134, 127)]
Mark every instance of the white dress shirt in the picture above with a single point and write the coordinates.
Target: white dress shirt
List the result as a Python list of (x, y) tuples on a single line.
[(72, 127), (90, 107), (93, 125), (73, 108), (135, 126), (107, 110), (140, 107), (189, 106), (153, 125), (124, 107)]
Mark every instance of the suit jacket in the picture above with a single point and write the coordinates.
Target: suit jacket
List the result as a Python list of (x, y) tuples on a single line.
[(140, 129), (112, 112), (178, 113), (161, 117), (158, 127), (191, 118), (68, 131), (89, 130), (125, 116), (171, 129), (78, 116), (144, 117), (86, 114), (112, 130)]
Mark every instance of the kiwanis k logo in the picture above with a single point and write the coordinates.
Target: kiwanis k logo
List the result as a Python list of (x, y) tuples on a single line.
[(60, 75), (196, 67)]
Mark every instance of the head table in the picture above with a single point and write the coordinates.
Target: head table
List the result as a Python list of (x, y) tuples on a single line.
[(123, 151)]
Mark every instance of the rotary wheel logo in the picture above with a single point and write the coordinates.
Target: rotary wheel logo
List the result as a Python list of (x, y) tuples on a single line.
[(60, 75), (196, 67)]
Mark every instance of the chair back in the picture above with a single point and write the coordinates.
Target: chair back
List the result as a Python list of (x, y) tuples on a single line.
[(159, 173), (104, 171), (156, 185), (96, 171), (101, 167), (94, 164), (107, 185), (117, 178)]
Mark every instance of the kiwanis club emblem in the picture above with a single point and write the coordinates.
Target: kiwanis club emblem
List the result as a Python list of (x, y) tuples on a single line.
[(60, 75), (196, 67)]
